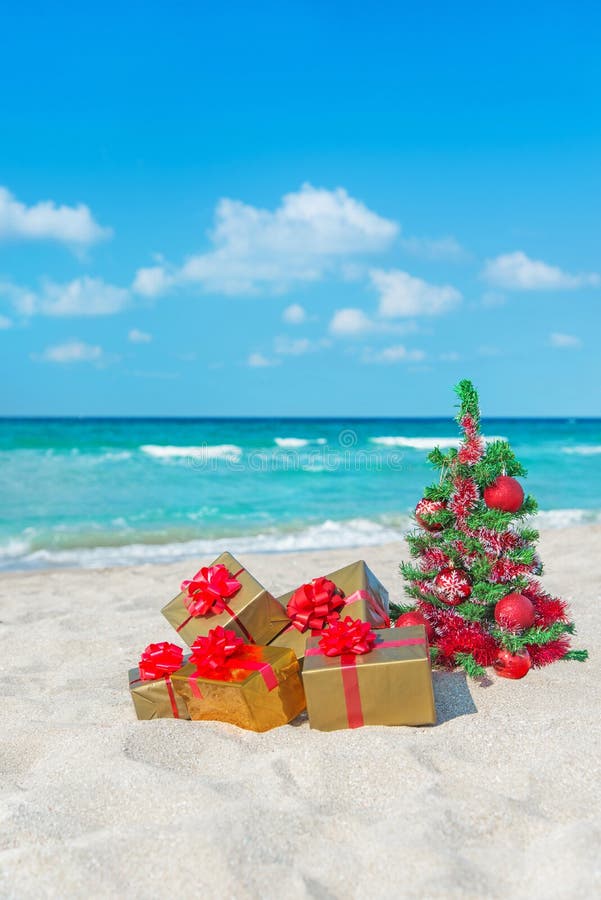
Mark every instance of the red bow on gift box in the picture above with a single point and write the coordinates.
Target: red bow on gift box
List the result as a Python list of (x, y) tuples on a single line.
[(159, 660), (208, 590), (221, 652), (315, 605), (211, 653), (347, 636)]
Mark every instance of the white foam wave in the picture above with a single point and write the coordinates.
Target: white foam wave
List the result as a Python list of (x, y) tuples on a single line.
[(564, 518), (583, 449), (216, 451), (294, 443), (425, 443), (326, 535)]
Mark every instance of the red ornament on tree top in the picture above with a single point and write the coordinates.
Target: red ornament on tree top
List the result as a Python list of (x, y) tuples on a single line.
[(428, 508), (452, 586), (514, 612), (505, 493)]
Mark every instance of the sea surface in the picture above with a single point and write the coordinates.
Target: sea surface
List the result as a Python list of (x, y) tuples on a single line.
[(97, 492)]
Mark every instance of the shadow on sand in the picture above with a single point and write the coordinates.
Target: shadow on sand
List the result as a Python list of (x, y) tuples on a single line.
[(452, 696)]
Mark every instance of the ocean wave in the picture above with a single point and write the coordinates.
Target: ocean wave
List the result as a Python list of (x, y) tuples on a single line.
[(426, 443), (326, 535), (294, 443), (110, 549), (583, 449), (216, 451), (564, 518)]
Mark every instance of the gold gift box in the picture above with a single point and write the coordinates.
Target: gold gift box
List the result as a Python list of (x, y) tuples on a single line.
[(391, 685), (245, 699), (256, 612), (156, 699), (355, 577)]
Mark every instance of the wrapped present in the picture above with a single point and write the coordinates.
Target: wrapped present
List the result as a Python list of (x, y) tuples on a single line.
[(247, 685), (353, 590), (356, 676), (225, 594), (150, 683)]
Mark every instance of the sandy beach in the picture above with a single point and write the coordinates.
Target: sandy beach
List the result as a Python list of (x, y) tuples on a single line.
[(500, 798)]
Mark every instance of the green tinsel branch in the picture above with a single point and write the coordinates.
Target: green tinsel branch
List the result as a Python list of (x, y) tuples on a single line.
[(524, 555), (468, 401), (473, 611), (489, 593), (467, 662), (440, 491), (412, 573), (578, 655), (528, 535), (498, 459), (537, 636)]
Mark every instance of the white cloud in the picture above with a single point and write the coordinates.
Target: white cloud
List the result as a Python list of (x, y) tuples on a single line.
[(391, 355), (139, 337), (294, 314), (446, 248), (517, 272), (152, 281), (350, 321), (81, 297), (5, 323), (450, 356), (570, 341), (285, 346), (258, 361), (402, 295), (72, 225), (311, 233), (72, 352)]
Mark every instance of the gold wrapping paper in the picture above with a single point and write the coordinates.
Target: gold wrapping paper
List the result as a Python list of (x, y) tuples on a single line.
[(152, 699), (355, 577), (394, 684), (258, 611), (246, 701)]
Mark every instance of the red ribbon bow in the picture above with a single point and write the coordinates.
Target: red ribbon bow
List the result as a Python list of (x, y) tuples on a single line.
[(159, 660), (315, 605), (347, 636), (211, 653), (208, 590)]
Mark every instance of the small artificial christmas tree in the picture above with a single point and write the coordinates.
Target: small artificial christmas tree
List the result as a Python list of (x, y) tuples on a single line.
[(473, 576)]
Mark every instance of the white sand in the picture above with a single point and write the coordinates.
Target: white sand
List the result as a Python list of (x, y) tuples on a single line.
[(500, 799)]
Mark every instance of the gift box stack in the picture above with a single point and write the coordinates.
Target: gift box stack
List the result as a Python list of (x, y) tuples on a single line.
[(257, 662)]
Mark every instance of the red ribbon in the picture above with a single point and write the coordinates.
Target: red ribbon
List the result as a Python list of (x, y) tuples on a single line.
[(348, 639), (315, 605), (305, 614), (223, 656), (159, 661), (207, 592)]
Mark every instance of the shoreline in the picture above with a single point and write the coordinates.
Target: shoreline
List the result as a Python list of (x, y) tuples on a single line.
[(343, 554)]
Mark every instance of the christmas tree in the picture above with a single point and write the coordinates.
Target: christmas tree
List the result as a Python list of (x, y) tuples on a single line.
[(473, 575)]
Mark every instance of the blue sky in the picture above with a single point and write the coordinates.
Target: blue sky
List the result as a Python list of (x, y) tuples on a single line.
[(299, 209)]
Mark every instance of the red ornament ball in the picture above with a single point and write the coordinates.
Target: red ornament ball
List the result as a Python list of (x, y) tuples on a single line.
[(514, 612), (453, 586), (428, 508), (504, 493), (415, 618), (512, 665)]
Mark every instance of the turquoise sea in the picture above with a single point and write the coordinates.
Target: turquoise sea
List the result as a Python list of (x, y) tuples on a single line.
[(95, 492)]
